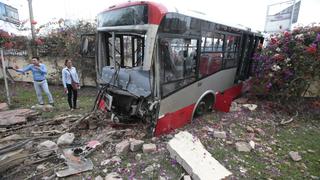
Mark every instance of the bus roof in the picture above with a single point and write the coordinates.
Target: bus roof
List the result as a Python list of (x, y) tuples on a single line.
[(157, 11)]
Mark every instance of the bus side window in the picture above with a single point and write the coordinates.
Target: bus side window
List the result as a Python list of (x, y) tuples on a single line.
[(177, 63)]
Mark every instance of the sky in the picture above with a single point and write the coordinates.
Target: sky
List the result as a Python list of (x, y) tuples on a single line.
[(249, 13)]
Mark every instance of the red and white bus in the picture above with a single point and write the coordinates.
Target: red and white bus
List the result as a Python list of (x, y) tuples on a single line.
[(164, 66)]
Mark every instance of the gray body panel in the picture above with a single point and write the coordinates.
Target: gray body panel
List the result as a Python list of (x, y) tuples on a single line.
[(190, 95)]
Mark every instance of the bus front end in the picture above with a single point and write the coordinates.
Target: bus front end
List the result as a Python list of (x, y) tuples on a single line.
[(125, 73)]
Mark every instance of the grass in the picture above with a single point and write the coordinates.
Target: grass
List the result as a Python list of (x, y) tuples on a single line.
[(23, 96)]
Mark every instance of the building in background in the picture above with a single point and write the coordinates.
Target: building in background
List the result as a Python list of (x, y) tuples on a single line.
[(9, 18), (281, 16)]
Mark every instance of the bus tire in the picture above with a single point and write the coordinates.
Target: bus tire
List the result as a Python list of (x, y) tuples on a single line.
[(204, 106)]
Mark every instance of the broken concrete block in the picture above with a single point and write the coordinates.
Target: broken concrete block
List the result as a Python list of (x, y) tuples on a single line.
[(4, 107), (135, 145), (122, 147), (65, 139), (259, 131), (295, 156), (16, 116), (251, 107), (12, 137), (243, 147), (137, 157), (147, 148), (41, 167), (220, 134), (47, 148), (113, 176), (98, 178), (189, 152), (252, 144), (186, 177), (113, 160), (250, 129)]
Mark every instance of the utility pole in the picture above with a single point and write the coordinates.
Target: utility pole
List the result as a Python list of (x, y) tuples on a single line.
[(5, 76), (32, 27)]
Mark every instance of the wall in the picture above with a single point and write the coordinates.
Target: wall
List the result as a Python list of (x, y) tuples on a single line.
[(85, 68)]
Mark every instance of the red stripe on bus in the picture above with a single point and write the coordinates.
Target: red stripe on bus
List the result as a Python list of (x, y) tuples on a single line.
[(224, 99), (174, 120), (156, 11)]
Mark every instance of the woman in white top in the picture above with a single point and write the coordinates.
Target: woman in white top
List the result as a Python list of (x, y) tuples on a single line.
[(70, 81)]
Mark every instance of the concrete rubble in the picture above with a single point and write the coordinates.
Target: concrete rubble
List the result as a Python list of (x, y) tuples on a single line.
[(243, 146), (295, 156), (46, 148), (113, 176), (17, 116), (220, 134), (148, 148), (122, 147), (136, 145), (189, 152), (65, 139)]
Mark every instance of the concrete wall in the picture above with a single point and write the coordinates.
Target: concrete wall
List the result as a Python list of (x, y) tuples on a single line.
[(54, 66)]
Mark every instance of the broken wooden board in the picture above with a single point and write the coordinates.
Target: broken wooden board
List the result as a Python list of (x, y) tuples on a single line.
[(194, 158), (16, 116)]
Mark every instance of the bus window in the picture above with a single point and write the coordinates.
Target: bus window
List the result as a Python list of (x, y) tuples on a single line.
[(211, 55), (177, 63), (231, 51)]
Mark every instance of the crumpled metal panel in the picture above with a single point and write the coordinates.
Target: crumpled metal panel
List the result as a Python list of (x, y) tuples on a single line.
[(135, 80)]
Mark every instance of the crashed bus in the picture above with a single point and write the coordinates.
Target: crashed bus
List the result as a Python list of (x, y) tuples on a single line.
[(165, 66)]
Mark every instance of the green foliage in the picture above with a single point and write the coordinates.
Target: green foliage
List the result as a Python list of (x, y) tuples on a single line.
[(288, 64)]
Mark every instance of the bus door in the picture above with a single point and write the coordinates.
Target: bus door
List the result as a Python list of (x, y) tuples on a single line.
[(247, 44)]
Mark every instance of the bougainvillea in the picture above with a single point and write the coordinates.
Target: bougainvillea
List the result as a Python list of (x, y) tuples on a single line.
[(290, 61)]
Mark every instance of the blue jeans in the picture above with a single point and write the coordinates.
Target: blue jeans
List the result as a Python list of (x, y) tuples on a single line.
[(42, 86)]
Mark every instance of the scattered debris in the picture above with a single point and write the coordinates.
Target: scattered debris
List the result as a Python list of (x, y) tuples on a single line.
[(137, 157), (259, 131), (17, 116), (11, 159), (147, 148), (41, 167), (45, 108), (186, 177), (65, 139), (243, 147), (251, 107), (187, 150), (283, 122), (113, 176), (12, 137), (252, 144), (122, 147), (98, 178), (93, 144), (241, 100), (135, 145), (113, 160), (220, 134), (76, 163), (250, 129), (295, 156), (234, 107), (4, 107), (46, 148)]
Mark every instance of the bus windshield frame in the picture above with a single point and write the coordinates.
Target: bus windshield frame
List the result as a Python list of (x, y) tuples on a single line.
[(132, 15)]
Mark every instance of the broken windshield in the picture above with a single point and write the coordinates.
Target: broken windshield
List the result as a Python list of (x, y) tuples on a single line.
[(128, 49)]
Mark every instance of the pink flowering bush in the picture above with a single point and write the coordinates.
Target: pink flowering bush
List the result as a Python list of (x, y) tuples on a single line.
[(290, 61)]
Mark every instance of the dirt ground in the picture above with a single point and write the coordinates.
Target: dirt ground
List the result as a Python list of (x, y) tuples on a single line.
[(269, 159)]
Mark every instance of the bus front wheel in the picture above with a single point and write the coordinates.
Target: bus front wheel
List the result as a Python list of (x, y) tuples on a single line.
[(204, 106)]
